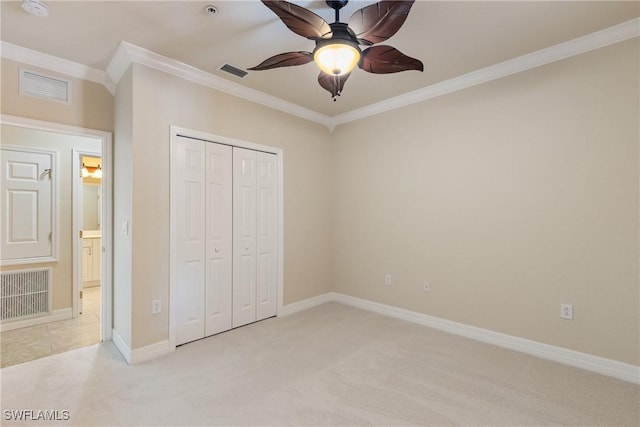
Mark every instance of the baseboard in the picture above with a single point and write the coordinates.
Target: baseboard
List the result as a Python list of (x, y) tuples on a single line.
[(306, 304), (55, 316), (599, 365), (138, 355), (149, 352), (121, 345)]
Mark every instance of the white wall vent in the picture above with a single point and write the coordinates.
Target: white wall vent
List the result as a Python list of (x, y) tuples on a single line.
[(25, 294), (45, 87)]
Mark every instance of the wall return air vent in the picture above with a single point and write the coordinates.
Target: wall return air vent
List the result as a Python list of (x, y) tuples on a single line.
[(45, 87)]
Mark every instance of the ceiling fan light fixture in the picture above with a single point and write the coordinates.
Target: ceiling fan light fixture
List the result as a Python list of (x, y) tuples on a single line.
[(337, 57)]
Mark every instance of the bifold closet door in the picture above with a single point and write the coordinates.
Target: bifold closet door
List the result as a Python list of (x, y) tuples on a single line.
[(254, 236), (219, 245), (202, 186), (267, 226)]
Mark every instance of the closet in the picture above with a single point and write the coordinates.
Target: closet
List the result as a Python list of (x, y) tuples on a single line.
[(225, 236)]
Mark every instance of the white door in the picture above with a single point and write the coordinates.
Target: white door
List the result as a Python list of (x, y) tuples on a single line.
[(244, 236), (267, 264), (225, 237), (190, 239), (218, 296), (27, 209)]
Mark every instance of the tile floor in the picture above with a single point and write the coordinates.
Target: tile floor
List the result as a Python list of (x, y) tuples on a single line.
[(25, 344)]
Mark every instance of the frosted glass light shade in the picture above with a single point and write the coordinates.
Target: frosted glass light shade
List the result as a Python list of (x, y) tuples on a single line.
[(336, 59)]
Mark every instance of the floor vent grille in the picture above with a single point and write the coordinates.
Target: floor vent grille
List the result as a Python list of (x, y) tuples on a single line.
[(25, 294)]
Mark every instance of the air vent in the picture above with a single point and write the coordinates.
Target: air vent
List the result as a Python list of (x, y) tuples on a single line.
[(25, 293), (227, 68), (46, 87)]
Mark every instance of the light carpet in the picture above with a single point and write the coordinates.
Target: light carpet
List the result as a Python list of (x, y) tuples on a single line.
[(330, 365)]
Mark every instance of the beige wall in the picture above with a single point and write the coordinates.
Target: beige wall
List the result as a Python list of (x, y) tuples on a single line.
[(91, 104), (64, 146), (160, 100), (122, 206), (511, 198), (91, 107)]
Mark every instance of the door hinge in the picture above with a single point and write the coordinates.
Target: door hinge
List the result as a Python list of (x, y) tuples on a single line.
[(80, 232), (51, 236)]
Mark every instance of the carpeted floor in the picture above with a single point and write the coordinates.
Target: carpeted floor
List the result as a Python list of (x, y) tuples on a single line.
[(330, 365)]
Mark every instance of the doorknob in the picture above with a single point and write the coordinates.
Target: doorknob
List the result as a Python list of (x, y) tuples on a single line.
[(216, 250)]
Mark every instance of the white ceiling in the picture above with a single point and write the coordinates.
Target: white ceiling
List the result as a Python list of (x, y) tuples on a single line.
[(451, 38)]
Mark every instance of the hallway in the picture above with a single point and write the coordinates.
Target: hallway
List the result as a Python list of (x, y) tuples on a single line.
[(34, 342)]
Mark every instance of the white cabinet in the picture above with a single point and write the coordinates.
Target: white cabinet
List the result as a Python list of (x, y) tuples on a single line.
[(91, 265), (224, 237)]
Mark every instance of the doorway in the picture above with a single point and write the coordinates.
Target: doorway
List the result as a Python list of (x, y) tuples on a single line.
[(87, 225), (20, 336)]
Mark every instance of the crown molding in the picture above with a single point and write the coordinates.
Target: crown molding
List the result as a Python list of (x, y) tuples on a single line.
[(55, 64), (618, 33), (128, 53)]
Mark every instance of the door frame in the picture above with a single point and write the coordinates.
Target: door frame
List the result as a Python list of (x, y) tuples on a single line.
[(106, 288), (76, 214), (175, 132)]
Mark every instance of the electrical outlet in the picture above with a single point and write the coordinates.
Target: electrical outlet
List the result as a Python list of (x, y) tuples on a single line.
[(426, 287), (156, 306), (566, 311), (387, 279)]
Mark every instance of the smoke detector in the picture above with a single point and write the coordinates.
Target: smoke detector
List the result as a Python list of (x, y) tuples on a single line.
[(35, 7)]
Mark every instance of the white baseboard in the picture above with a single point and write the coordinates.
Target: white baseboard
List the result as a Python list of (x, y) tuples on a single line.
[(149, 352), (138, 355), (55, 316), (600, 365), (121, 345), (306, 304)]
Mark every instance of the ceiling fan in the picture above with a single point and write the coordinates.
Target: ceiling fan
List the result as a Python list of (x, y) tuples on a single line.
[(337, 50)]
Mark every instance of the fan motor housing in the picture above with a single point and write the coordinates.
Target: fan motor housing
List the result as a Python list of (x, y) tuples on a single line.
[(342, 32), (337, 4)]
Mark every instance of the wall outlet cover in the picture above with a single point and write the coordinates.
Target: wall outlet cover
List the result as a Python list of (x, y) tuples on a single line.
[(566, 311)]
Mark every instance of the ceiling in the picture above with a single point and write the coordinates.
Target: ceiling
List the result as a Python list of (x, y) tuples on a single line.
[(451, 38)]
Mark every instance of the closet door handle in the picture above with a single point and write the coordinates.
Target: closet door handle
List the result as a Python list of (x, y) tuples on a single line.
[(216, 250)]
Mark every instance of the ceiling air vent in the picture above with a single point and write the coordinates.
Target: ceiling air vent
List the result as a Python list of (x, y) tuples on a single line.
[(227, 68), (46, 87)]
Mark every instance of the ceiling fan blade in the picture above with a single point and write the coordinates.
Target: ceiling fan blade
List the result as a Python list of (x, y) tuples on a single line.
[(333, 84), (386, 59), (377, 22), (300, 20), (284, 60)]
